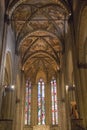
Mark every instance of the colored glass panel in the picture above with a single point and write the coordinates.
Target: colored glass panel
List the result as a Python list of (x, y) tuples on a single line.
[(54, 102), (41, 102), (28, 103)]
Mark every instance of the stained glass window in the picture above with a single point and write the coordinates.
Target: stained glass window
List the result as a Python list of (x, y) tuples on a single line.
[(41, 102), (54, 102), (28, 103)]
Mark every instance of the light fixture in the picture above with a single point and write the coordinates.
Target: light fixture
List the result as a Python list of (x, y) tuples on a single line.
[(70, 87), (67, 87), (9, 88), (12, 87)]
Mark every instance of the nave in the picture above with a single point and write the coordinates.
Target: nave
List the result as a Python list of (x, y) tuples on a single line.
[(43, 65)]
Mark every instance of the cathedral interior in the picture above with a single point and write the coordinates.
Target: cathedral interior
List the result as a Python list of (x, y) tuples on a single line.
[(43, 64)]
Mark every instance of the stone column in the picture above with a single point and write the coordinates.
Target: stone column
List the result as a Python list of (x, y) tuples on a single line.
[(79, 98), (67, 71), (61, 98), (83, 93), (48, 103)]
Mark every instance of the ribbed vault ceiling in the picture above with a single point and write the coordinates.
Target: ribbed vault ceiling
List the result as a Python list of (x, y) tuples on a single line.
[(39, 27)]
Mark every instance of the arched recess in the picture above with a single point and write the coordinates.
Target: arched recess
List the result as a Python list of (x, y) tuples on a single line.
[(81, 43), (82, 35), (6, 99)]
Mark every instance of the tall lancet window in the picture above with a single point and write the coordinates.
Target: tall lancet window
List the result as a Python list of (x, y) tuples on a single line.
[(28, 103), (54, 102), (41, 102)]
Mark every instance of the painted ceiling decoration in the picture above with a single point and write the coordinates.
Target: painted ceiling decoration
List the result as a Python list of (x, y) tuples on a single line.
[(39, 27)]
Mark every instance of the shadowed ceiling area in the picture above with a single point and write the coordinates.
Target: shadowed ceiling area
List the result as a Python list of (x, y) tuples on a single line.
[(39, 27)]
